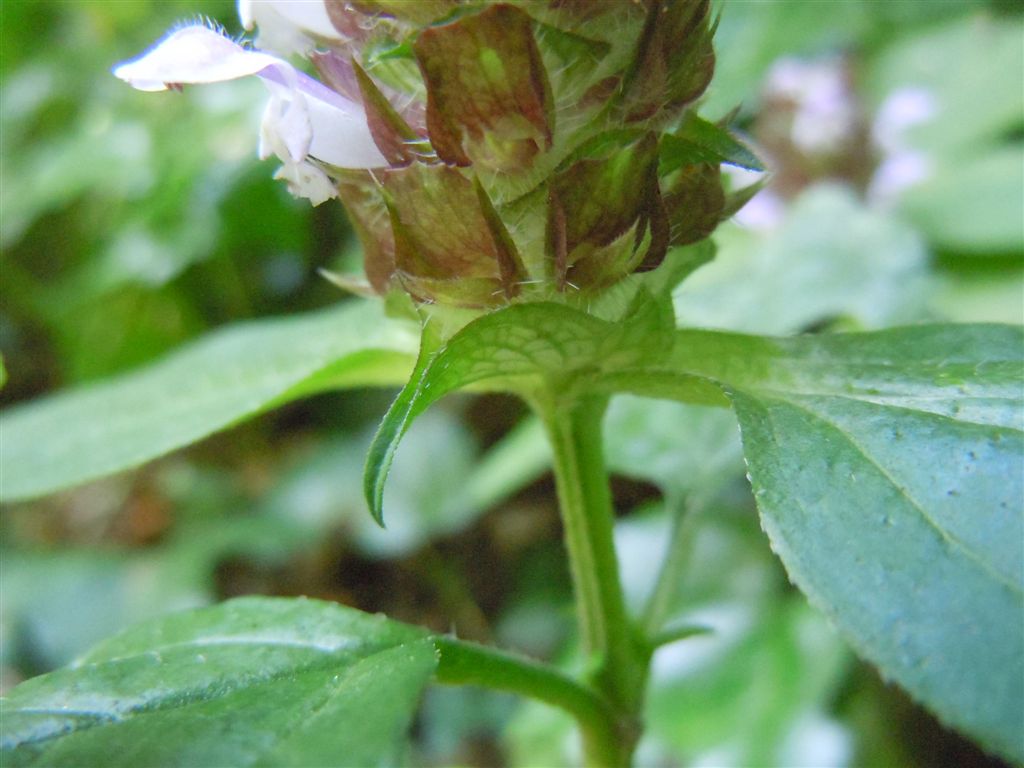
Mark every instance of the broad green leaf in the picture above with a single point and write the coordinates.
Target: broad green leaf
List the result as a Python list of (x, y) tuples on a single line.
[(973, 204), (251, 682), (887, 468), (221, 380)]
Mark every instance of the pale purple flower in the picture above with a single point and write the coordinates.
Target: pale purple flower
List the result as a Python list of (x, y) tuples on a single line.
[(902, 166), (902, 110), (306, 125), (825, 114)]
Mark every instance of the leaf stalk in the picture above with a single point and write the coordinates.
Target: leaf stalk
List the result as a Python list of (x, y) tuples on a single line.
[(465, 663)]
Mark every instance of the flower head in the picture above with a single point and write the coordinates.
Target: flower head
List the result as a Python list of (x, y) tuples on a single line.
[(486, 152)]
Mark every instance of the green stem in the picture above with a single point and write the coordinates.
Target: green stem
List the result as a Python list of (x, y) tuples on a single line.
[(618, 656), (666, 589), (464, 663)]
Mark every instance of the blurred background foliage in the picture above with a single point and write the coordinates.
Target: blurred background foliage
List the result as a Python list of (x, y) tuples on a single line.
[(131, 223)]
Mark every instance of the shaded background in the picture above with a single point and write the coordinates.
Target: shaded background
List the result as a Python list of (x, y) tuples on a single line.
[(131, 223)]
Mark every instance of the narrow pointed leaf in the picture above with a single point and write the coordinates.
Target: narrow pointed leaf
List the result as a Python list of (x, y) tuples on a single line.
[(232, 375), (699, 141), (396, 421), (251, 682)]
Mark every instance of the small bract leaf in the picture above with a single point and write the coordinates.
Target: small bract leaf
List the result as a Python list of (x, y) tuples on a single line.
[(390, 131), (674, 60), (251, 682), (698, 141), (368, 215), (450, 245), (605, 214), (488, 98), (420, 12), (694, 201)]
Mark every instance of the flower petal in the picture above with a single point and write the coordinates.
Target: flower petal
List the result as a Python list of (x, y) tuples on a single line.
[(193, 55), (288, 26), (304, 117), (309, 15), (308, 181)]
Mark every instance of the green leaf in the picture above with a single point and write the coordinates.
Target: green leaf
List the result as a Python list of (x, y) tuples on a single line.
[(515, 349), (887, 470), (251, 682), (700, 141), (488, 98), (221, 380), (830, 256)]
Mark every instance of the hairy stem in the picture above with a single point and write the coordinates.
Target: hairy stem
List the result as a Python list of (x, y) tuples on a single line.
[(617, 655)]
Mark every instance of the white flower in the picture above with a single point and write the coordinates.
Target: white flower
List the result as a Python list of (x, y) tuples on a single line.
[(288, 26), (304, 121)]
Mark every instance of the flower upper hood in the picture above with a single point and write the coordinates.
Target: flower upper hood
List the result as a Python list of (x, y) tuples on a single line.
[(304, 121)]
